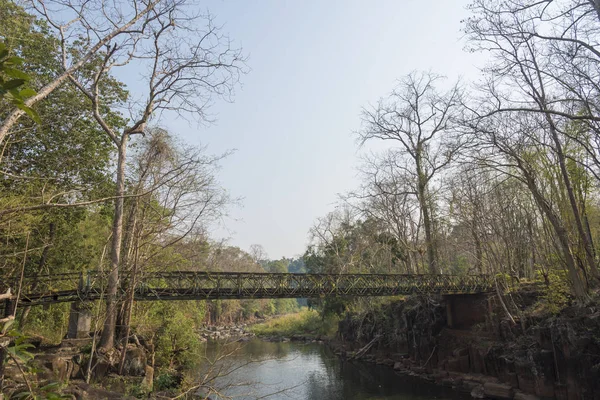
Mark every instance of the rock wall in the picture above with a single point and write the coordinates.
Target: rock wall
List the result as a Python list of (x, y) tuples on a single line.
[(556, 357)]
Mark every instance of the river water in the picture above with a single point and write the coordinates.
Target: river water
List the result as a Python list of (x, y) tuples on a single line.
[(298, 371)]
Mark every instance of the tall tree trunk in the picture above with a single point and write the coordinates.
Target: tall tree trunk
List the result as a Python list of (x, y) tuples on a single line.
[(43, 258), (578, 285), (127, 310), (585, 240), (108, 332), (425, 211), (478, 248)]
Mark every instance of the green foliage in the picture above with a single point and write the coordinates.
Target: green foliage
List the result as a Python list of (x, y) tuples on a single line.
[(13, 81), (285, 306), (305, 322), (166, 381), (556, 294), (19, 347), (19, 352), (50, 324), (137, 391), (177, 342), (173, 327), (66, 159)]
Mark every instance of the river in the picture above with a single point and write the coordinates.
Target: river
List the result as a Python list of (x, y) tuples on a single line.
[(298, 371)]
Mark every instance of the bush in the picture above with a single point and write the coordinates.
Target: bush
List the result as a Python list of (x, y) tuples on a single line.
[(556, 294), (167, 381), (301, 323)]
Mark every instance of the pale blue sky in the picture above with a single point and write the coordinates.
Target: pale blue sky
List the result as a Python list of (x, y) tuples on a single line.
[(314, 64)]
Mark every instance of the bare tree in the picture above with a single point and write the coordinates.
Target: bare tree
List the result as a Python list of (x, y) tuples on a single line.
[(510, 144), (185, 62), (526, 39), (421, 120), (544, 76), (177, 196), (258, 253), (94, 25), (387, 195)]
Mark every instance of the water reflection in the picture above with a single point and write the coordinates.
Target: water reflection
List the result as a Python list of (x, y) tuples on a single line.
[(310, 371)]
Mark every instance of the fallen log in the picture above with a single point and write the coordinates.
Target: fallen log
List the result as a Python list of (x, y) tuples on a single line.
[(367, 347)]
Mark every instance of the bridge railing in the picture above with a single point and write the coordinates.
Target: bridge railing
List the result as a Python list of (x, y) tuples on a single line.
[(227, 285)]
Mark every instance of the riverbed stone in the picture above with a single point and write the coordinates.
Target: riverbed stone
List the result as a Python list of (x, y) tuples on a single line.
[(478, 392), (398, 366), (468, 386), (525, 396), (498, 391)]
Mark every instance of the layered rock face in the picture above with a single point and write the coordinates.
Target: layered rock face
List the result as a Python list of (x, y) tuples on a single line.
[(551, 357)]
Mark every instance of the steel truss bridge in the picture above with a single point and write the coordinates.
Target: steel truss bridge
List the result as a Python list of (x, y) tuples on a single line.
[(188, 285)]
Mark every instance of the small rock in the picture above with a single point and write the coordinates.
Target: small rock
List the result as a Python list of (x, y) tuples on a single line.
[(478, 392), (498, 391), (469, 385), (525, 396)]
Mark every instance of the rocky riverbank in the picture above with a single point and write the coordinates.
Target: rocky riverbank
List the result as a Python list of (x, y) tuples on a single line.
[(537, 357), (63, 368), (225, 332)]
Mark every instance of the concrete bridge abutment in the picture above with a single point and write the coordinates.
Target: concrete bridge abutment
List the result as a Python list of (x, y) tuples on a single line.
[(80, 321)]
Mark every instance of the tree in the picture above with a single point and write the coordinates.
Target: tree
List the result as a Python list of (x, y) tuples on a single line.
[(187, 62), (83, 22), (12, 82), (63, 160), (388, 196), (174, 195), (525, 84), (422, 121)]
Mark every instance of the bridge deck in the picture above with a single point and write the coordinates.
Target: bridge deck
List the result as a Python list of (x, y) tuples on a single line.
[(188, 285)]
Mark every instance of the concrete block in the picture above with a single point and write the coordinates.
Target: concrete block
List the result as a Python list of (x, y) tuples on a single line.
[(80, 322)]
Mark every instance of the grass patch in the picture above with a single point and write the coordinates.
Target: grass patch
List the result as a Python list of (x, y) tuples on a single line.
[(306, 323)]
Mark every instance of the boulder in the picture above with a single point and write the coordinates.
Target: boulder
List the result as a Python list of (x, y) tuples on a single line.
[(105, 362), (61, 367), (389, 362), (148, 380), (135, 362), (477, 392), (499, 391), (468, 386), (398, 366)]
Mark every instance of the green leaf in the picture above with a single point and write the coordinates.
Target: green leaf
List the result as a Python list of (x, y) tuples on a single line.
[(31, 112), (27, 93), (15, 73), (7, 325), (51, 385), (22, 395), (14, 60), (14, 83)]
